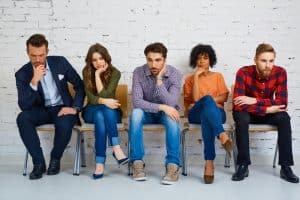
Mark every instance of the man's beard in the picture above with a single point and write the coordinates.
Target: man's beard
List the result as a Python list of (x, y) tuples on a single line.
[(154, 71), (265, 73)]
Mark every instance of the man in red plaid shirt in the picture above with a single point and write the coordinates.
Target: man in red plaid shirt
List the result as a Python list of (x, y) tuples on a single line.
[(260, 96)]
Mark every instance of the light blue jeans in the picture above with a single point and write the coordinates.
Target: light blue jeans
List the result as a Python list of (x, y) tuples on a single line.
[(211, 117), (139, 117)]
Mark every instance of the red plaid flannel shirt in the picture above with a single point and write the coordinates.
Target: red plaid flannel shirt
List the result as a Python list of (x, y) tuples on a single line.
[(267, 91)]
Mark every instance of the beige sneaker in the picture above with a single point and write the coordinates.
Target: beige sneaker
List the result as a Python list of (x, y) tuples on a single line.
[(172, 174), (138, 171)]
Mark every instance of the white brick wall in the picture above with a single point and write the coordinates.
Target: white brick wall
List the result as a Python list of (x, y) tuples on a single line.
[(234, 28)]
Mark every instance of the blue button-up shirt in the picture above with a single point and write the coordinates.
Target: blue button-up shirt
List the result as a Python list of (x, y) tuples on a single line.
[(51, 94)]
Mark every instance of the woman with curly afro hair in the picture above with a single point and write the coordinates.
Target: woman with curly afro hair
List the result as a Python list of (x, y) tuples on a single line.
[(204, 95)]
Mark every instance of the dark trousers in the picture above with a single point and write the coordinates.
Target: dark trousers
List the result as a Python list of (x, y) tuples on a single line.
[(281, 120), (29, 119)]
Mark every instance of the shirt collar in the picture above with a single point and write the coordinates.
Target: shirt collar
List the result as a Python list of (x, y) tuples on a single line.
[(47, 66)]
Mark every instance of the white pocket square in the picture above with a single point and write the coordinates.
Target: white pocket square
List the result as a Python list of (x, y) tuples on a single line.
[(60, 76)]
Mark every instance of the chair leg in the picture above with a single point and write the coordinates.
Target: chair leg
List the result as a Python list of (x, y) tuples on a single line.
[(129, 173), (77, 155), (183, 152), (82, 150), (275, 155), (227, 157), (227, 161), (235, 151), (25, 164)]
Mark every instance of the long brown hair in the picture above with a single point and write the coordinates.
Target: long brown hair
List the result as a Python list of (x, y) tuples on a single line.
[(89, 70)]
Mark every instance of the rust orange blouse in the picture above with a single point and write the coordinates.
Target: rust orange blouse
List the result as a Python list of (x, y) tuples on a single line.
[(212, 83)]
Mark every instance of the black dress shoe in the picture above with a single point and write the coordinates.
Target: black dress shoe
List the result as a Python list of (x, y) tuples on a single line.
[(241, 173), (54, 167), (37, 171), (287, 174)]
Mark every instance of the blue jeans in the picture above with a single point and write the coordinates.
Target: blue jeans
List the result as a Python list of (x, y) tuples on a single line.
[(211, 117), (139, 117), (105, 120)]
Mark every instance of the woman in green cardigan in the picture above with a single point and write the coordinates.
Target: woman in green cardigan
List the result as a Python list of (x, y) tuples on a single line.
[(101, 80)]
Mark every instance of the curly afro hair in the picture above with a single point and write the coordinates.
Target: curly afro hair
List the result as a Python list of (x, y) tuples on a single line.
[(203, 49)]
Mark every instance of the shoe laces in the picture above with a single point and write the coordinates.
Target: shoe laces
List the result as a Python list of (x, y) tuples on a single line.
[(139, 167), (171, 170)]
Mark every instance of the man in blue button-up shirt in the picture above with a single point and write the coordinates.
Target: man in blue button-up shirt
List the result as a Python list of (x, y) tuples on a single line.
[(155, 94), (43, 97)]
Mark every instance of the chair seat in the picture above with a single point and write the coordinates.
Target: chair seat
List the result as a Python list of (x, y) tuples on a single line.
[(51, 127), (262, 127), (91, 127), (153, 127), (46, 127), (191, 126)]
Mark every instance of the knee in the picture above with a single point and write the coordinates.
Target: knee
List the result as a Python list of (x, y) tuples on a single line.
[(282, 117), (98, 116), (207, 98), (169, 122), (108, 111), (207, 102), (66, 122), (136, 116), (241, 117)]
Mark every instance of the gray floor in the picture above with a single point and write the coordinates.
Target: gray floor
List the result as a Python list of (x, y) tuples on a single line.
[(263, 182)]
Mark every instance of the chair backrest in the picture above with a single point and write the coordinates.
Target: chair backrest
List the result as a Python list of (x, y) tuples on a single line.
[(71, 90), (229, 103), (121, 95)]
